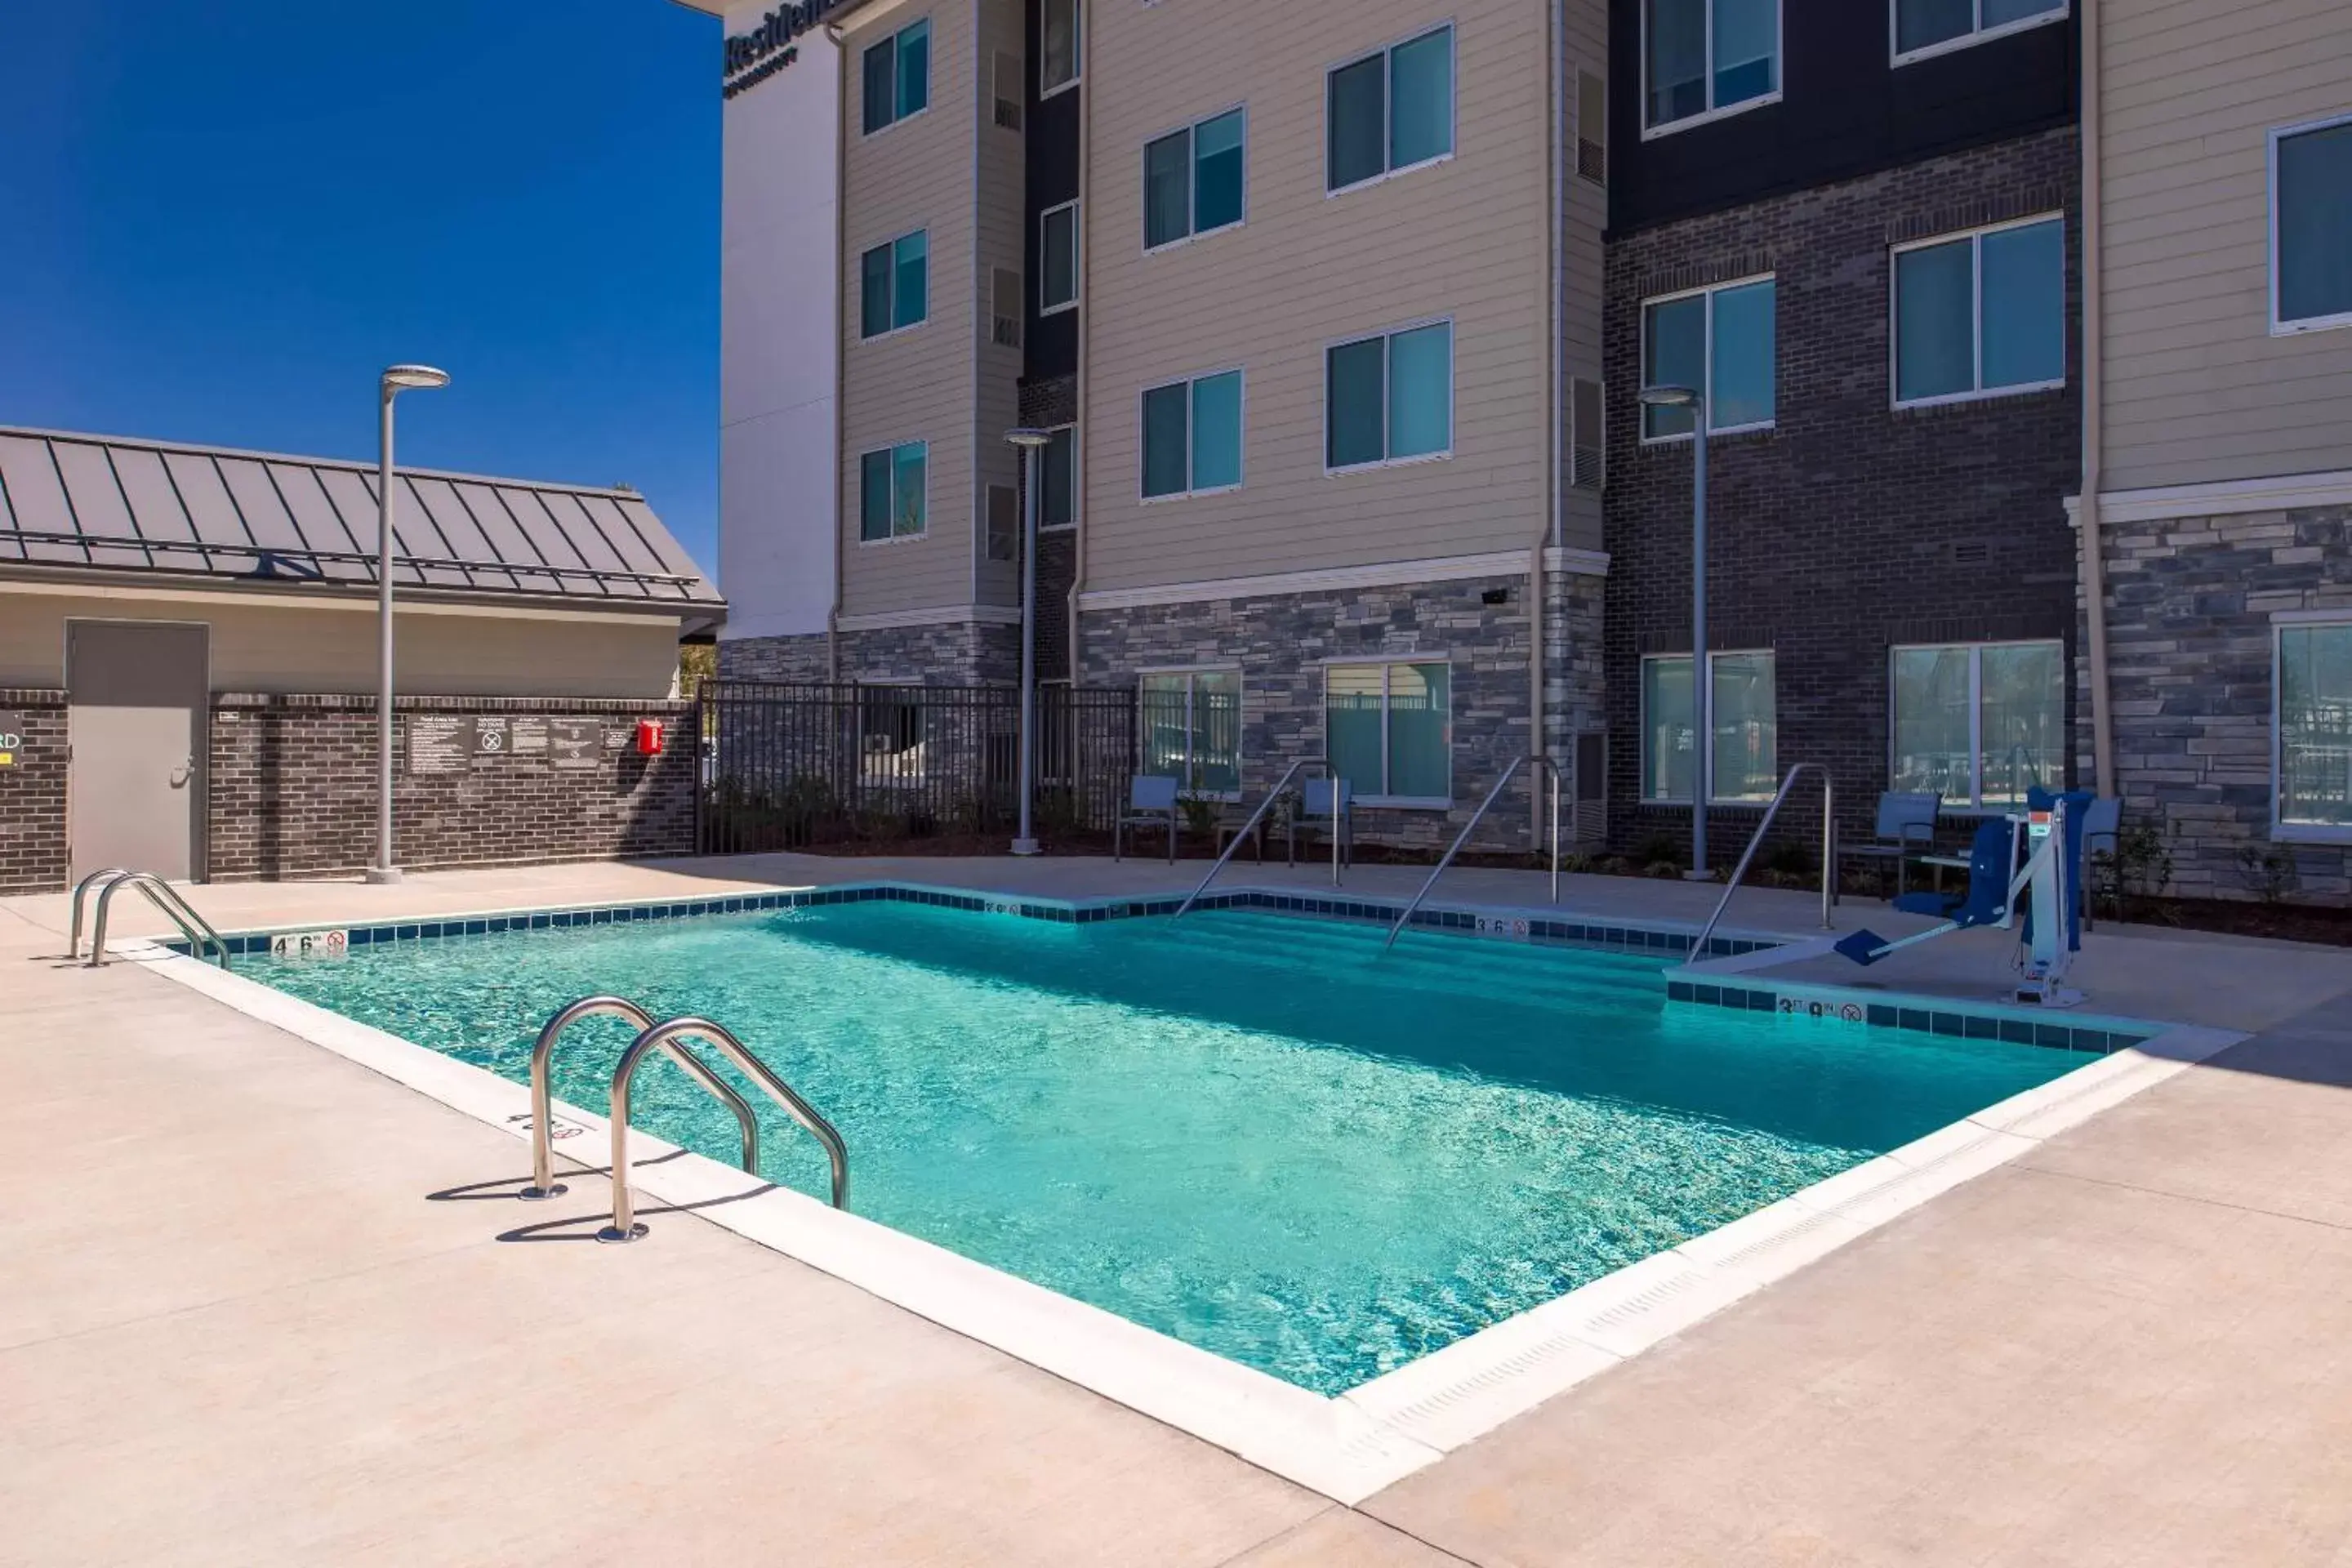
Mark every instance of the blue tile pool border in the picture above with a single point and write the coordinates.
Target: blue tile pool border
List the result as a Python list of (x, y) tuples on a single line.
[(1918, 1014)]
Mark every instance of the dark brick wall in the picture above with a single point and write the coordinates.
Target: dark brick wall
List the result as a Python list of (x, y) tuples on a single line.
[(33, 795), (293, 791), (1851, 526)]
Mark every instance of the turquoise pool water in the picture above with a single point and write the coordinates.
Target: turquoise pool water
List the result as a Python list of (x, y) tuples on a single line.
[(1241, 1131)]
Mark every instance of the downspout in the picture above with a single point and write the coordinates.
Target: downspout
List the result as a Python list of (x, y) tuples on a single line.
[(1539, 607), (1086, 315), (2086, 510)]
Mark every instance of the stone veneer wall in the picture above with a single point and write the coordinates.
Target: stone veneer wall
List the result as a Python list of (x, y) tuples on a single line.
[(1851, 525), (1575, 692), (940, 652), (33, 795), (2191, 672), (1282, 642)]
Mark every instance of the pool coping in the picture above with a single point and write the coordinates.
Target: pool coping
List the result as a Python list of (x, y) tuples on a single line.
[(1345, 1446)]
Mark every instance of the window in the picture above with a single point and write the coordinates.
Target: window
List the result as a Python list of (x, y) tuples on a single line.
[(1706, 58), (1192, 436), (1743, 764), (1979, 722), (1390, 398), (1720, 341), (1981, 314), (2311, 226), (2315, 728), (1192, 722), (1058, 67), (895, 285), (1057, 258), (1192, 181), (1389, 111), (1057, 479), (1388, 730), (891, 484), (899, 75), (1932, 26)]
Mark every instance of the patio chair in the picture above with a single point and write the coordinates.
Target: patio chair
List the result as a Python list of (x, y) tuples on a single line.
[(1314, 815), (2103, 825), (1150, 802), (1905, 827)]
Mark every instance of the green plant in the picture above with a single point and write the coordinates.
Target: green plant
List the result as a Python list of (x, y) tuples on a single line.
[(1576, 862), (2270, 871), (2138, 869), (1788, 857), (1057, 809), (1658, 848)]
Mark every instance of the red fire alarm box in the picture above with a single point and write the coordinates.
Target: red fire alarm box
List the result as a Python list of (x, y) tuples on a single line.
[(649, 737)]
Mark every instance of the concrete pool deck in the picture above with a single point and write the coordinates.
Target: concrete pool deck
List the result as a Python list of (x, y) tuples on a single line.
[(227, 1336)]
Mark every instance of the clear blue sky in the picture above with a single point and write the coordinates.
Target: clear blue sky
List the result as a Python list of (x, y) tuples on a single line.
[(220, 218)]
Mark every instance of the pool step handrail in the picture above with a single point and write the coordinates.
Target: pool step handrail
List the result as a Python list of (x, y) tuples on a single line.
[(197, 930), (1272, 795), (80, 896), (625, 1226), (543, 1184), (1542, 762), (1828, 853)]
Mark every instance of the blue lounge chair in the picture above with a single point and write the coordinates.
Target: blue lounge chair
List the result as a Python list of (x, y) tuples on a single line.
[(1992, 861)]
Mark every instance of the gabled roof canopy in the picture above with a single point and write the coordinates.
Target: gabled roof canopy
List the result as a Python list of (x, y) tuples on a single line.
[(78, 504)]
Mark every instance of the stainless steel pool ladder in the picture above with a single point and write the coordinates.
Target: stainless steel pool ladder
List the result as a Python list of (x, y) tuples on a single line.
[(1828, 853), (159, 893), (1543, 764), (669, 1039), (1263, 807)]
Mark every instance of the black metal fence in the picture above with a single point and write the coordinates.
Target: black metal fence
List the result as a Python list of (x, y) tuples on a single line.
[(788, 766)]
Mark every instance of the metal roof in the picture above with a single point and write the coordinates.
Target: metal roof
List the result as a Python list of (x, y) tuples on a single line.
[(82, 503)]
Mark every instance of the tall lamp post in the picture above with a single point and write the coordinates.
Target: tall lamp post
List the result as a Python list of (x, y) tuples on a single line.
[(1029, 443), (400, 378), (1702, 684)]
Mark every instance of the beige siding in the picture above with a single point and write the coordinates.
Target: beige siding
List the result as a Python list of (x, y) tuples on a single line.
[(1464, 239), (259, 646), (916, 385), (2199, 390)]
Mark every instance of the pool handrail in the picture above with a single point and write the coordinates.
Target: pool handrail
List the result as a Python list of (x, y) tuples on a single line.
[(625, 1226), (81, 893), (1542, 762), (1828, 853), (197, 930), (543, 1184), (1272, 795)]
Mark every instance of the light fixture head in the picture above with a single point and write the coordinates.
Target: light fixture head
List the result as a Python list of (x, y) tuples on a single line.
[(1669, 396), (1026, 437), (405, 377)]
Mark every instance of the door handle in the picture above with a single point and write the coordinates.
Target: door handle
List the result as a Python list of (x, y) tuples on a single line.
[(183, 773)]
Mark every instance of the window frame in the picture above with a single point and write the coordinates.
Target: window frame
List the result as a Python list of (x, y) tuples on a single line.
[(1077, 49), (894, 537), (1191, 672), (896, 117), (2277, 134), (1453, 388), (1190, 130), (1078, 485), (1975, 237), (2281, 831), (1974, 805), (1077, 259), (891, 245), (1709, 291), (1388, 108), (1187, 382), (1711, 115), (1704, 760), (1897, 55), (1387, 662)]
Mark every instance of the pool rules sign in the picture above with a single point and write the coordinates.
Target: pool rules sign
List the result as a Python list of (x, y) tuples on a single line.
[(12, 739)]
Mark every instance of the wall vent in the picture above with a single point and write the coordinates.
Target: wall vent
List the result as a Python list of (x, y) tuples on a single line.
[(1008, 91), (1005, 309), (1592, 127), (1004, 522), (1971, 553), (1587, 442)]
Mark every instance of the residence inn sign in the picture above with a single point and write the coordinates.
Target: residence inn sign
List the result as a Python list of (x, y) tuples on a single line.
[(753, 57)]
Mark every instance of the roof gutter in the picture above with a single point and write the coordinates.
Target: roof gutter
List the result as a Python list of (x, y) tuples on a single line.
[(165, 579)]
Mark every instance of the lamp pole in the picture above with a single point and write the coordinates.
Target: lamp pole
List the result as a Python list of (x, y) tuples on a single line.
[(1702, 684), (400, 378), (1028, 443)]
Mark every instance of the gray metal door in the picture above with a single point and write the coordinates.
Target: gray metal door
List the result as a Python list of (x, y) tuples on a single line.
[(135, 788)]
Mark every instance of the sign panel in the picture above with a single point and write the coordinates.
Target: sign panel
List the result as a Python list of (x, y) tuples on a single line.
[(310, 944), (491, 738), (436, 744), (576, 742), (528, 738), (12, 738)]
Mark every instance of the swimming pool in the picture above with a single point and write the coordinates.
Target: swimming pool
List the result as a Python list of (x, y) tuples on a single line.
[(1240, 1131)]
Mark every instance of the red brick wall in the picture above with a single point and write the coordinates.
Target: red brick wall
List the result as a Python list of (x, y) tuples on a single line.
[(291, 791)]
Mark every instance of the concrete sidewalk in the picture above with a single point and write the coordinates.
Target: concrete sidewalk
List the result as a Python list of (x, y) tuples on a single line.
[(227, 1336)]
